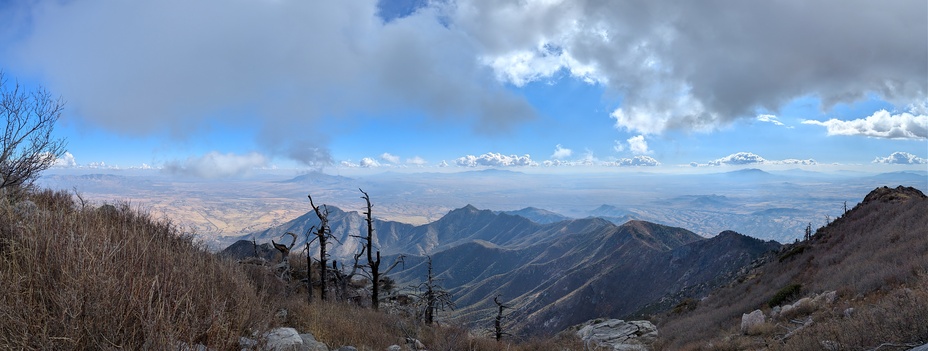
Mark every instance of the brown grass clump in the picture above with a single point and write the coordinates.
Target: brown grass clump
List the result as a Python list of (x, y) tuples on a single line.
[(74, 277)]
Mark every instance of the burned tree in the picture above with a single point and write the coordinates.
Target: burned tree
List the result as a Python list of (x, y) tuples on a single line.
[(283, 268), (432, 297), (373, 264), (376, 276), (498, 324), (323, 234)]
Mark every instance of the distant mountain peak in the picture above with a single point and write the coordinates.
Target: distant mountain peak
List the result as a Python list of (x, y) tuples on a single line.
[(898, 194)]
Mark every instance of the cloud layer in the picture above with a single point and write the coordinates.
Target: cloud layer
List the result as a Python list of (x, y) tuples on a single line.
[(492, 159), (881, 124), (696, 65), (901, 158), (217, 165), (748, 158), (176, 66)]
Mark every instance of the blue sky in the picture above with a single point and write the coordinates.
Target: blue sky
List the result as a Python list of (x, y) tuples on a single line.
[(221, 88)]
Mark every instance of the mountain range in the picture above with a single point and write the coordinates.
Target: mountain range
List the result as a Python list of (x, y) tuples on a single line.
[(553, 274)]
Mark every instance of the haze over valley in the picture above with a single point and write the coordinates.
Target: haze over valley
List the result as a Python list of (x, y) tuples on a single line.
[(774, 205)]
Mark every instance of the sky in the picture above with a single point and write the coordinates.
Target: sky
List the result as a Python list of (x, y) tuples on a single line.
[(226, 88)]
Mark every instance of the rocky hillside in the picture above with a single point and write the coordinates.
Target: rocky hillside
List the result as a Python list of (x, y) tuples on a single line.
[(858, 283), (591, 269)]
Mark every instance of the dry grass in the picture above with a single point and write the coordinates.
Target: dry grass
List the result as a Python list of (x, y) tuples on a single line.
[(876, 257), (109, 278), (76, 277)]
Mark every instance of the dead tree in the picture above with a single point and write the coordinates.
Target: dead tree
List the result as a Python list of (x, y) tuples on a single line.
[(341, 279), (808, 234), (323, 234), (373, 264), (283, 268), (498, 324), (432, 296)]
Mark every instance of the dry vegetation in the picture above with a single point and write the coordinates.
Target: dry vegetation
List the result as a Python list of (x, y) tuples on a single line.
[(875, 257), (74, 277), (79, 277)]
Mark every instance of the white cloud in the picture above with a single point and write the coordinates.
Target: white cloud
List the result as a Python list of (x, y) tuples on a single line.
[(349, 164), (443, 164), (654, 53), (561, 152), (143, 166), (368, 162), (65, 161), (793, 161), (770, 119), (740, 158), (390, 158), (638, 145), (100, 165), (748, 158), (880, 124), (416, 161), (901, 158), (619, 146), (217, 165), (647, 161), (694, 164), (492, 159)]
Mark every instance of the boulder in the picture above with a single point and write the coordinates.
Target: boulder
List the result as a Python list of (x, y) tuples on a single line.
[(283, 339), (615, 334), (751, 320), (825, 298), (394, 348), (347, 348), (920, 348), (311, 344)]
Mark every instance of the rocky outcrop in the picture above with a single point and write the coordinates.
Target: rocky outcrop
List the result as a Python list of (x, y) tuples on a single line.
[(284, 339), (616, 334), (751, 320)]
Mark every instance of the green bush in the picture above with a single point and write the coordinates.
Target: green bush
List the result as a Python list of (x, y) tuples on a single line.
[(785, 294)]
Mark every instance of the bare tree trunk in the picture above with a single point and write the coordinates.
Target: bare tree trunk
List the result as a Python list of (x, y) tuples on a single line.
[(498, 324), (322, 234), (371, 262)]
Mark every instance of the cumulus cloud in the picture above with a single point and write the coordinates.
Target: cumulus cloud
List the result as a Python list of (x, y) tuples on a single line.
[(390, 158), (647, 161), (492, 159), (748, 158), (901, 158), (561, 152), (217, 165), (638, 145), (416, 161), (65, 161), (619, 146), (654, 53), (769, 119), (739, 158), (880, 124), (443, 164), (368, 162)]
